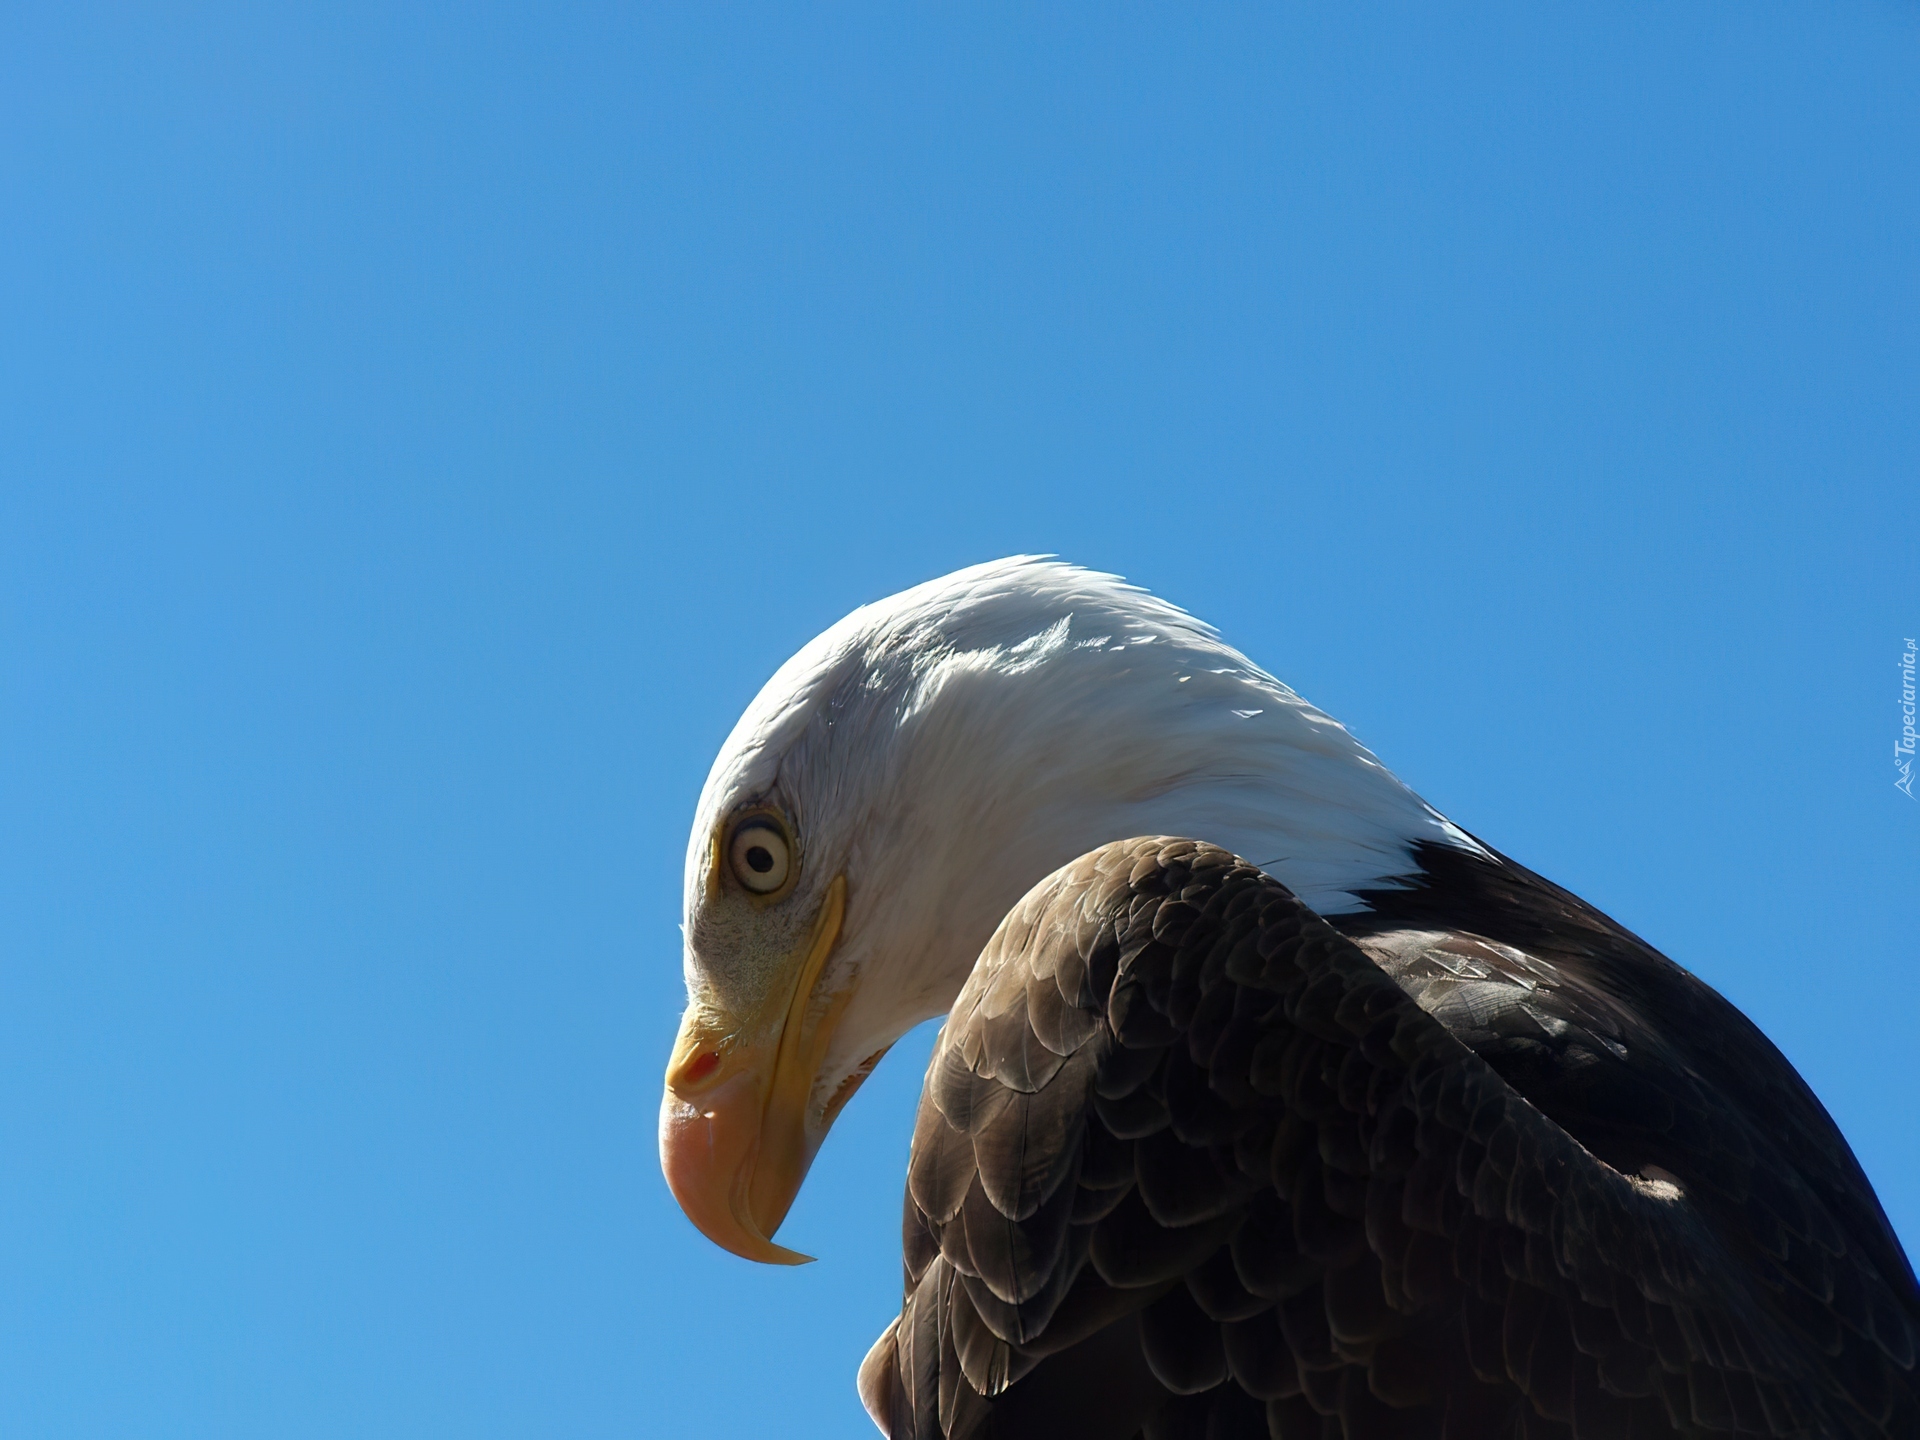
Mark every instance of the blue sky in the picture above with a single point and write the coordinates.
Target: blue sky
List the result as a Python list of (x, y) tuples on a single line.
[(422, 429)]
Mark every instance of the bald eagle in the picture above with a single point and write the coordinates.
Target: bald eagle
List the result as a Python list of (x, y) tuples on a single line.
[(1269, 1101)]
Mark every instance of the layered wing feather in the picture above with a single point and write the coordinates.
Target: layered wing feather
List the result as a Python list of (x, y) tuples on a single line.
[(1191, 1162)]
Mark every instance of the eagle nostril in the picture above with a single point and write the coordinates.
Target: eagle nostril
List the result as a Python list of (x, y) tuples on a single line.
[(697, 1069)]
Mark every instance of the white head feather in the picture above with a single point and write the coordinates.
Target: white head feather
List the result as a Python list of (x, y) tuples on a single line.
[(949, 746)]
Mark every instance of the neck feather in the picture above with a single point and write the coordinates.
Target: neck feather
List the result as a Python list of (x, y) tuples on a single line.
[(1198, 742)]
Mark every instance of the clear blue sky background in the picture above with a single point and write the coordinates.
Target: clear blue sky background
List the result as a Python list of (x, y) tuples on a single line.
[(424, 428)]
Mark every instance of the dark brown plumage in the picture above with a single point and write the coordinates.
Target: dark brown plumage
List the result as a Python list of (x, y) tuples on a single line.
[(1192, 1162)]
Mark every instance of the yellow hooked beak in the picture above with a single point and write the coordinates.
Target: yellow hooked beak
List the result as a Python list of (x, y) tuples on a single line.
[(734, 1139)]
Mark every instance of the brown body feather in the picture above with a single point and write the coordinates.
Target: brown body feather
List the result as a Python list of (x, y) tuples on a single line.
[(1190, 1161)]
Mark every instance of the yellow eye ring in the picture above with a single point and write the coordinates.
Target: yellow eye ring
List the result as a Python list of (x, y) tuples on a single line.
[(760, 855)]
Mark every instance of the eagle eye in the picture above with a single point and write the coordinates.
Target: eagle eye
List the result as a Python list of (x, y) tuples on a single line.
[(760, 855)]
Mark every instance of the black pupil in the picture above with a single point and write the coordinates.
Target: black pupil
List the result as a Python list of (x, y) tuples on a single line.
[(759, 859)]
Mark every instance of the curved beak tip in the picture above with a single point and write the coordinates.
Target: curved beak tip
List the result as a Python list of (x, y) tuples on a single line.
[(707, 1152)]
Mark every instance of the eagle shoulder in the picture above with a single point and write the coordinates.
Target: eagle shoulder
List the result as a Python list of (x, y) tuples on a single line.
[(1191, 1161)]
